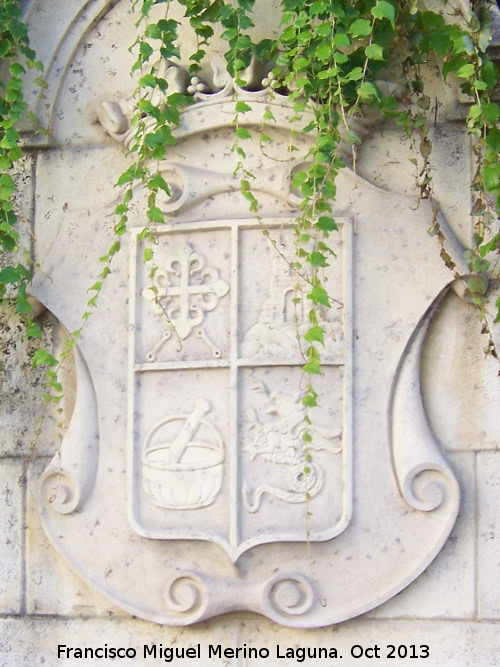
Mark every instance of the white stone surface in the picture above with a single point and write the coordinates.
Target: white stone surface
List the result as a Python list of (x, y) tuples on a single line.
[(73, 182), (384, 159), (488, 472), (11, 537), (21, 404), (51, 588), (451, 644), (460, 385), (35, 641), (460, 644), (447, 589)]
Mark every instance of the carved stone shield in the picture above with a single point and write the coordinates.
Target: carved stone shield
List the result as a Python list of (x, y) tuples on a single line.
[(183, 466)]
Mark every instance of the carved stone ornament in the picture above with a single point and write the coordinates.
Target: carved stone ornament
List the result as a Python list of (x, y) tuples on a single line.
[(179, 491)]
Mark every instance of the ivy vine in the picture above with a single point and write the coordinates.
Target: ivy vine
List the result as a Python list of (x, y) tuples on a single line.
[(331, 57), (17, 56)]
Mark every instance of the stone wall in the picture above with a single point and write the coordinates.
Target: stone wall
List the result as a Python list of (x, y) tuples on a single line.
[(453, 607)]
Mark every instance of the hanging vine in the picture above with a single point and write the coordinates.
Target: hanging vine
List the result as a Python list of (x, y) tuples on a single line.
[(331, 57), (334, 59), (17, 56)]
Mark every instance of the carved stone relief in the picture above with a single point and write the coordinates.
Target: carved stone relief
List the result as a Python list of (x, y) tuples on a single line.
[(229, 445), (183, 466)]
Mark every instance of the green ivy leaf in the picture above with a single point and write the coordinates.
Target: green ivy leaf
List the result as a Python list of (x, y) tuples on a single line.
[(309, 401), (323, 52), (317, 259), (341, 39), (493, 139), (230, 34), (481, 85), (324, 30), (319, 295), (5, 46), (360, 28), (329, 73), (491, 112), (384, 10), (312, 368), (489, 73), (374, 52), (159, 183), (315, 334), (17, 70), (355, 74), (367, 90), (491, 176), (466, 71), (42, 357), (300, 64), (105, 273), (452, 65), (33, 331), (7, 186), (10, 275), (340, 57), (158, 139), (477, 285), (23, 306), (147, 81), (155, 214), (243, 133), (484, 37), (146, 50), (475, 112), (493, 244), (326, 224), (127, 177), (242, 107)]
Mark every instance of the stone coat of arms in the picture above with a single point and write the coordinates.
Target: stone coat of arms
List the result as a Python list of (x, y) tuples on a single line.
[(180, 489)]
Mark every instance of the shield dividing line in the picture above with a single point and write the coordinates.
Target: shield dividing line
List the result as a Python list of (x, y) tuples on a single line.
[(215, 386)]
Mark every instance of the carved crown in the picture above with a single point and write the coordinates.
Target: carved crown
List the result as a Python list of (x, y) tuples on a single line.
[(217, 85)]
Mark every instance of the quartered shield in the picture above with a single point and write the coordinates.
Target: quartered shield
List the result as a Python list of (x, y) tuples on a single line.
[(216, 329)]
